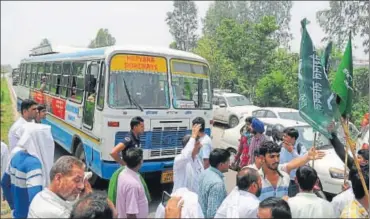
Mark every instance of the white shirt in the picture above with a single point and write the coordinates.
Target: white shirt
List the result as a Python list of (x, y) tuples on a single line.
[(340, 201), (186, 171), (190, 209), (47, 204), (308, 205), (13, 136), (238, 204), (206, 143), (4, 158)]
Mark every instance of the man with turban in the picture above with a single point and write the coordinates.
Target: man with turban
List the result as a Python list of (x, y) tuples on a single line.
[(258, 128)]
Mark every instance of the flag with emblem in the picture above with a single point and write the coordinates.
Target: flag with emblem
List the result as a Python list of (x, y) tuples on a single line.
[(343, 82), (316, 101)]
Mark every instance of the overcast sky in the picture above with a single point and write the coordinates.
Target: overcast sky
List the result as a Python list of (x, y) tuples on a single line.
[(72, 23)]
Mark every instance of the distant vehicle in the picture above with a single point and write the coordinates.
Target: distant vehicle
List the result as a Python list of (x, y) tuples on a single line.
[(92, 95), (330, 169), (278, 112), (228, 108), (15, 76)]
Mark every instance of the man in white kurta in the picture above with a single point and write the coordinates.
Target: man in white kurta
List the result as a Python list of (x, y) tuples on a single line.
[(28, 114), (306, 204), (243, 200), (341, 200), (188, 166)]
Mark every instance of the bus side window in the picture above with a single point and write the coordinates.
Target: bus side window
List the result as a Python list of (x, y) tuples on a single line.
[(40, 74), (57, 70), (100, 100), (65, 76), (93, 78), (27, 75), (48, 80), (77, 81), (34, 75)]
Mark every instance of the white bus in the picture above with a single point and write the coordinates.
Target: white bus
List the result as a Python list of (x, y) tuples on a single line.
[(92, 95)]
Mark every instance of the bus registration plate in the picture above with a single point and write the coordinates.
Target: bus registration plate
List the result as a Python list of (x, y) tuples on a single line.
[(167, 176)]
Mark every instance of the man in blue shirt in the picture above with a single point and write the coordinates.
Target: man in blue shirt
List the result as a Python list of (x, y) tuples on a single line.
[(212, 189), (291, 149)]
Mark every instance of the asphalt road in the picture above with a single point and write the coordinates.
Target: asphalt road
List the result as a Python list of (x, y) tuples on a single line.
[(155, 188)]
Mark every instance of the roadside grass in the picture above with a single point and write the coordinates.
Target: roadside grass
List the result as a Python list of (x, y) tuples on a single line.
[(6, 111), (6, 117)]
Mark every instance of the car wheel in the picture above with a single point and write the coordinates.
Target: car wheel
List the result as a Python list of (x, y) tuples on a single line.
[(233, 121)]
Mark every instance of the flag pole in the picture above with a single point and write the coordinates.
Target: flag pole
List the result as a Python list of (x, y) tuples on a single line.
[(352, 147), (346, 160), (314, 146)]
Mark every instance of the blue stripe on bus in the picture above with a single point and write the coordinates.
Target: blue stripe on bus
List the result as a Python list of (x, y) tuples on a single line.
[(79, 54)]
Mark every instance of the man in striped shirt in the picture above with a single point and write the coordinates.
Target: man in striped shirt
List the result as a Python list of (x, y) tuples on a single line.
[(28, 171)]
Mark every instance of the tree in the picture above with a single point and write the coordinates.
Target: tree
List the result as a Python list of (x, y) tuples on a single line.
[(252, 11), (44, 42), (183, 24), (103, 38), (270, 90), (345, 16)]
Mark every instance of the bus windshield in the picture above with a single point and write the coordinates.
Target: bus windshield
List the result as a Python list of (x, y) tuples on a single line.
[(190, 85), (138, 82), (148, 90)]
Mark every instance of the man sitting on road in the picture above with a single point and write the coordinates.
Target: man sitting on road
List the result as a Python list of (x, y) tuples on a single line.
[(68, 183), (29, 167), (243, 200)]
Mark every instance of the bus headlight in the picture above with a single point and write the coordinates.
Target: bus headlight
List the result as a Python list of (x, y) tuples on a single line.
[(336, 173)]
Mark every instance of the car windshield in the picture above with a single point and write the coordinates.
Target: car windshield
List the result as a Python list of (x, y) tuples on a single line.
[(291, 115), (238, 101), (148, 90)]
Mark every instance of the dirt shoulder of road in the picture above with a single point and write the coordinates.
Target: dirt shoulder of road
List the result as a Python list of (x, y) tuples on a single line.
[(8, 114)]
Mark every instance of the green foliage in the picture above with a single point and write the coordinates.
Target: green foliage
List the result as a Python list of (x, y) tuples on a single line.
[(271, 91), (345, 16), (251, 11), (183, 24), (44, 42), (103, 38), (359, 108)]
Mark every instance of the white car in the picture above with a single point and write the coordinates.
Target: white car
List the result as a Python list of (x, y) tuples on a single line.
[(330, 169), (278, 112), (228, 108)]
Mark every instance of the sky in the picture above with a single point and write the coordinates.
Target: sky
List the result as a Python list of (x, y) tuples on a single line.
[(74, 23)]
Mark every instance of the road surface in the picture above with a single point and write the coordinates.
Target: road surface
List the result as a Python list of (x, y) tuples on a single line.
[(154, 187)]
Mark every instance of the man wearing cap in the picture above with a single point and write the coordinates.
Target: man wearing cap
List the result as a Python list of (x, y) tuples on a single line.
[(257, 130)]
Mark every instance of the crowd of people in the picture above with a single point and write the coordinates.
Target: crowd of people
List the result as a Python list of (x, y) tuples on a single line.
[(273, 177)]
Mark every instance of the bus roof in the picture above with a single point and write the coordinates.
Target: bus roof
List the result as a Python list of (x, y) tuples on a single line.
[(106, 51)]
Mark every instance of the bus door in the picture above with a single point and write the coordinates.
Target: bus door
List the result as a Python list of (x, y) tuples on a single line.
[(91, 81)]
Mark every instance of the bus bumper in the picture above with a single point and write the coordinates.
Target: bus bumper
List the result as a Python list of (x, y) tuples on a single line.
[(108, 168)]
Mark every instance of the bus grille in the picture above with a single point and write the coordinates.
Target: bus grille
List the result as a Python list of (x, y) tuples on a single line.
[(165, 138)]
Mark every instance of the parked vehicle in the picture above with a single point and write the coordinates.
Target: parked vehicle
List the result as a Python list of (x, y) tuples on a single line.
[(278, 112), (228, 108), (330, 169), (15, 76)]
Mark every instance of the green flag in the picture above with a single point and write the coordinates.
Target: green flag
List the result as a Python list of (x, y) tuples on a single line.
[(325, 58), (343, 82), (316, 101)]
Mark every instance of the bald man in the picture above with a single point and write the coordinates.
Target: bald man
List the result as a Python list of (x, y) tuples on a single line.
[(243, 201)]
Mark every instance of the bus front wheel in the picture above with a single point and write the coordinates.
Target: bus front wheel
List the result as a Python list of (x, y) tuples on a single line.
[(80, 154)]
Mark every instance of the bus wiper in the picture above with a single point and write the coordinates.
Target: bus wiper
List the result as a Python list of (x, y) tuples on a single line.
[(132, 100)]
